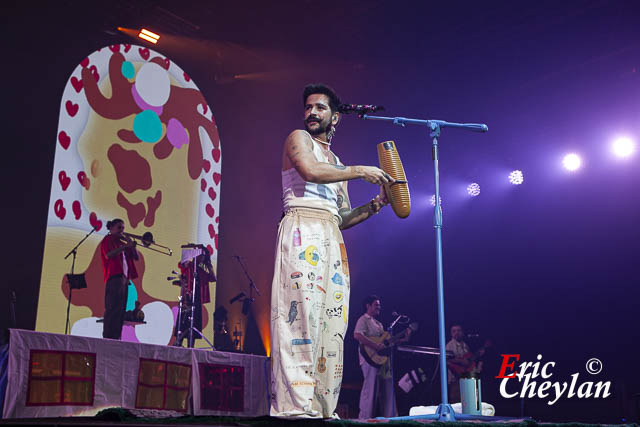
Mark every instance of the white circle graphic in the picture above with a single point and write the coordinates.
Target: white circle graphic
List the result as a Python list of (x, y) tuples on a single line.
[(153, 84)]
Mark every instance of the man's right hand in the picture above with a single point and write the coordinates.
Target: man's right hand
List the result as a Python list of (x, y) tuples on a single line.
[(129, 242), (374, 175)]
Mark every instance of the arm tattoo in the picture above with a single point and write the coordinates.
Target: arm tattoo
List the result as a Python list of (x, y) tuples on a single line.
[(341, 167), (340, 201)]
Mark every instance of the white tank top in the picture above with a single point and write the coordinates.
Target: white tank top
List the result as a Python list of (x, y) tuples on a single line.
[(296, 192)]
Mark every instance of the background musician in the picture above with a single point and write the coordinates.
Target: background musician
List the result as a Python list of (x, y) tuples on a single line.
[(377, 388), (461, 364), (117, 251)]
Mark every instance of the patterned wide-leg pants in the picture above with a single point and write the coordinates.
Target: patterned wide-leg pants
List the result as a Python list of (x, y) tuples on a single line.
[(309, 312)]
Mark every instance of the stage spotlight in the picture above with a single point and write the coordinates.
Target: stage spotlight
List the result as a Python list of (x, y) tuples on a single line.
[(572, 162), (149, 36), (623, 147), (516, 177), (473, 189), (432, 200)]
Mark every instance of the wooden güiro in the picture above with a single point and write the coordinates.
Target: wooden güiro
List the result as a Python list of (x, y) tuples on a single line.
[(397, 192)]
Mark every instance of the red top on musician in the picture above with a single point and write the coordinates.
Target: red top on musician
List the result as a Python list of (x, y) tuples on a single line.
[(118, 252)]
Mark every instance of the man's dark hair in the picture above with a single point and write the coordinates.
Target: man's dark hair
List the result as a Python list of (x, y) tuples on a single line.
[(369, 300), (113, 222), (314, 88)]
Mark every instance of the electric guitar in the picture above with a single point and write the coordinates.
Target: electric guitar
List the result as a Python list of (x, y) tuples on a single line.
[(468, 365), (377, 358)]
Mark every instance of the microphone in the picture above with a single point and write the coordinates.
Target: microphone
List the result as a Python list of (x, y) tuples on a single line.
[(473, 335), (359, 109)]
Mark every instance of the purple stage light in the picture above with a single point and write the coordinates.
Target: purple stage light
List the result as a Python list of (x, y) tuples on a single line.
[(623, 147), (432, 200), (473, 189), (572, 162), (516, 177)]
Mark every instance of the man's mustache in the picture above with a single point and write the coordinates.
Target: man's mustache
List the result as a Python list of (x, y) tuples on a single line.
[(312, 119)]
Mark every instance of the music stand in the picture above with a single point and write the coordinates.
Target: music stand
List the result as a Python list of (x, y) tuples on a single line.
[(76, 281)]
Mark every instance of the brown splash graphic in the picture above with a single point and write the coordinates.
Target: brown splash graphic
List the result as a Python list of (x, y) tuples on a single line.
[(152, 205), (132, 170), (135, 213)]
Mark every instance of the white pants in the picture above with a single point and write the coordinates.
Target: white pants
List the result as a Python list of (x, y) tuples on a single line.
[(377, 392), (309, 312)]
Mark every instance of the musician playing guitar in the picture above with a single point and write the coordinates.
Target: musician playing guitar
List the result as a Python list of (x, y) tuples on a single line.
[(376, 379), (463, 363)]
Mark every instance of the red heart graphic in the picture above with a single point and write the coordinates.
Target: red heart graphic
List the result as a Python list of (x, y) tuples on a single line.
[(206, 165), (84, 180), (127, 47), (115, 48), (204, 108), (60, 211), (216, 178), (217, 220), (85, 62), (72, 108), (216, 241), (77, 211), (77, 84), (203, 184), (210, 210), (212, 232), (212, 193), (144, 53), (216, 154), (167, 63), (210, 249), (94, 71), (94, 221), (186, 77), (64, 139), (64, 180)]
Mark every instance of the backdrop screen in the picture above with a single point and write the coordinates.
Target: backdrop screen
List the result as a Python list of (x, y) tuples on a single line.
[(136, 140)]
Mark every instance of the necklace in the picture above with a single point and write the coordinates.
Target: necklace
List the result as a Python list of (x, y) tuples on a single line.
[(321, 141)]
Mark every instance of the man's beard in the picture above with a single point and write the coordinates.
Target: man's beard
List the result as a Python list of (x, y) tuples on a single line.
[(319, 130)]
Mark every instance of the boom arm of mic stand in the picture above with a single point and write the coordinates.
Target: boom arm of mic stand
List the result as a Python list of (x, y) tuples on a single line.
[(246, 273), (432, 124)]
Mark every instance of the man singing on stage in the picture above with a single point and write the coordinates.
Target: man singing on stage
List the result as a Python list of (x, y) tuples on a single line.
[(117, 251), (310, 290)]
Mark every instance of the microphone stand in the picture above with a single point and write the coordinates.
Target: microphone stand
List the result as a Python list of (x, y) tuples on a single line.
[(73, 252), (445, 411), (252, 286), (391, 368)]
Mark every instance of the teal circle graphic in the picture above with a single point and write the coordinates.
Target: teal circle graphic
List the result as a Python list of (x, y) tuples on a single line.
[(147, 126), (127, 70), (132, 296)]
